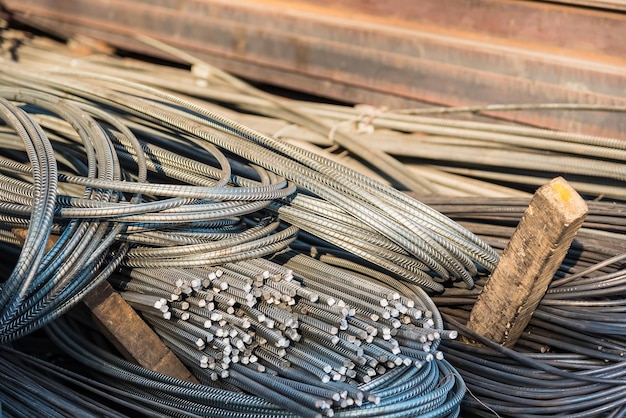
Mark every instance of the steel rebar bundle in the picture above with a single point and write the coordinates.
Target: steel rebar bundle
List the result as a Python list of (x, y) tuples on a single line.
[(446, 153), (108, 179), (105, 196), (449, 156), (304, 336), (33, 387), (179, 187)]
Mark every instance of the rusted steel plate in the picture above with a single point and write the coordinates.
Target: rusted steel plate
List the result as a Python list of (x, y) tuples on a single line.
[(361, 60)]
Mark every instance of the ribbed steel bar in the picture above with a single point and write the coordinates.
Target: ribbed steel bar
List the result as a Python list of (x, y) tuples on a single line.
[(159, 179)]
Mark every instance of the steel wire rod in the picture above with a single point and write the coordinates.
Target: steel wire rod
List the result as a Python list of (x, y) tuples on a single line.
[(171, 251), (386, 163), (91, 240), (228, 344), (247, 131), (411, 227), (262, 246), (383, 123), (48, 393), (409, 116), (602, 145), (44, 180), (70, 114), (337, 233)]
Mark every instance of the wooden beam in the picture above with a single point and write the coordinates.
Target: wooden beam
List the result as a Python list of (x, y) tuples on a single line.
[(531, 258)]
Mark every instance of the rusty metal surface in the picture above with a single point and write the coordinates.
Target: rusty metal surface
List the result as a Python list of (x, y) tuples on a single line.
[(596, 4), (391, 53), (575, 29)]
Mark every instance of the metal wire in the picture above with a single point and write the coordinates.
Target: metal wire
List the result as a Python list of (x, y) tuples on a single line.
[(174, 204), (131, 175), (36, 387)]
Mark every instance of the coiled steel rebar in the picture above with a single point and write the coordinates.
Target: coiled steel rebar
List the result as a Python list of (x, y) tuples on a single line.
[(175, 204), (155, 175), (122, 191)]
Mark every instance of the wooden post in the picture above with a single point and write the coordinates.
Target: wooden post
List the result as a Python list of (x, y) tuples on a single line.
[(531, 258), (125, 329)]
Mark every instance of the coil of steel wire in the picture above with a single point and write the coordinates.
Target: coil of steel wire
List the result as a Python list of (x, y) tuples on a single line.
[(174, 204)]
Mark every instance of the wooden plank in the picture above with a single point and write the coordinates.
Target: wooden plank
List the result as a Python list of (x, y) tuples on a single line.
[(531, 258)]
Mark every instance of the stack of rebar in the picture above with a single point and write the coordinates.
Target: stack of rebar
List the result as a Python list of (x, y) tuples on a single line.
[(105, 178), (304, 329), (262, 240)]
